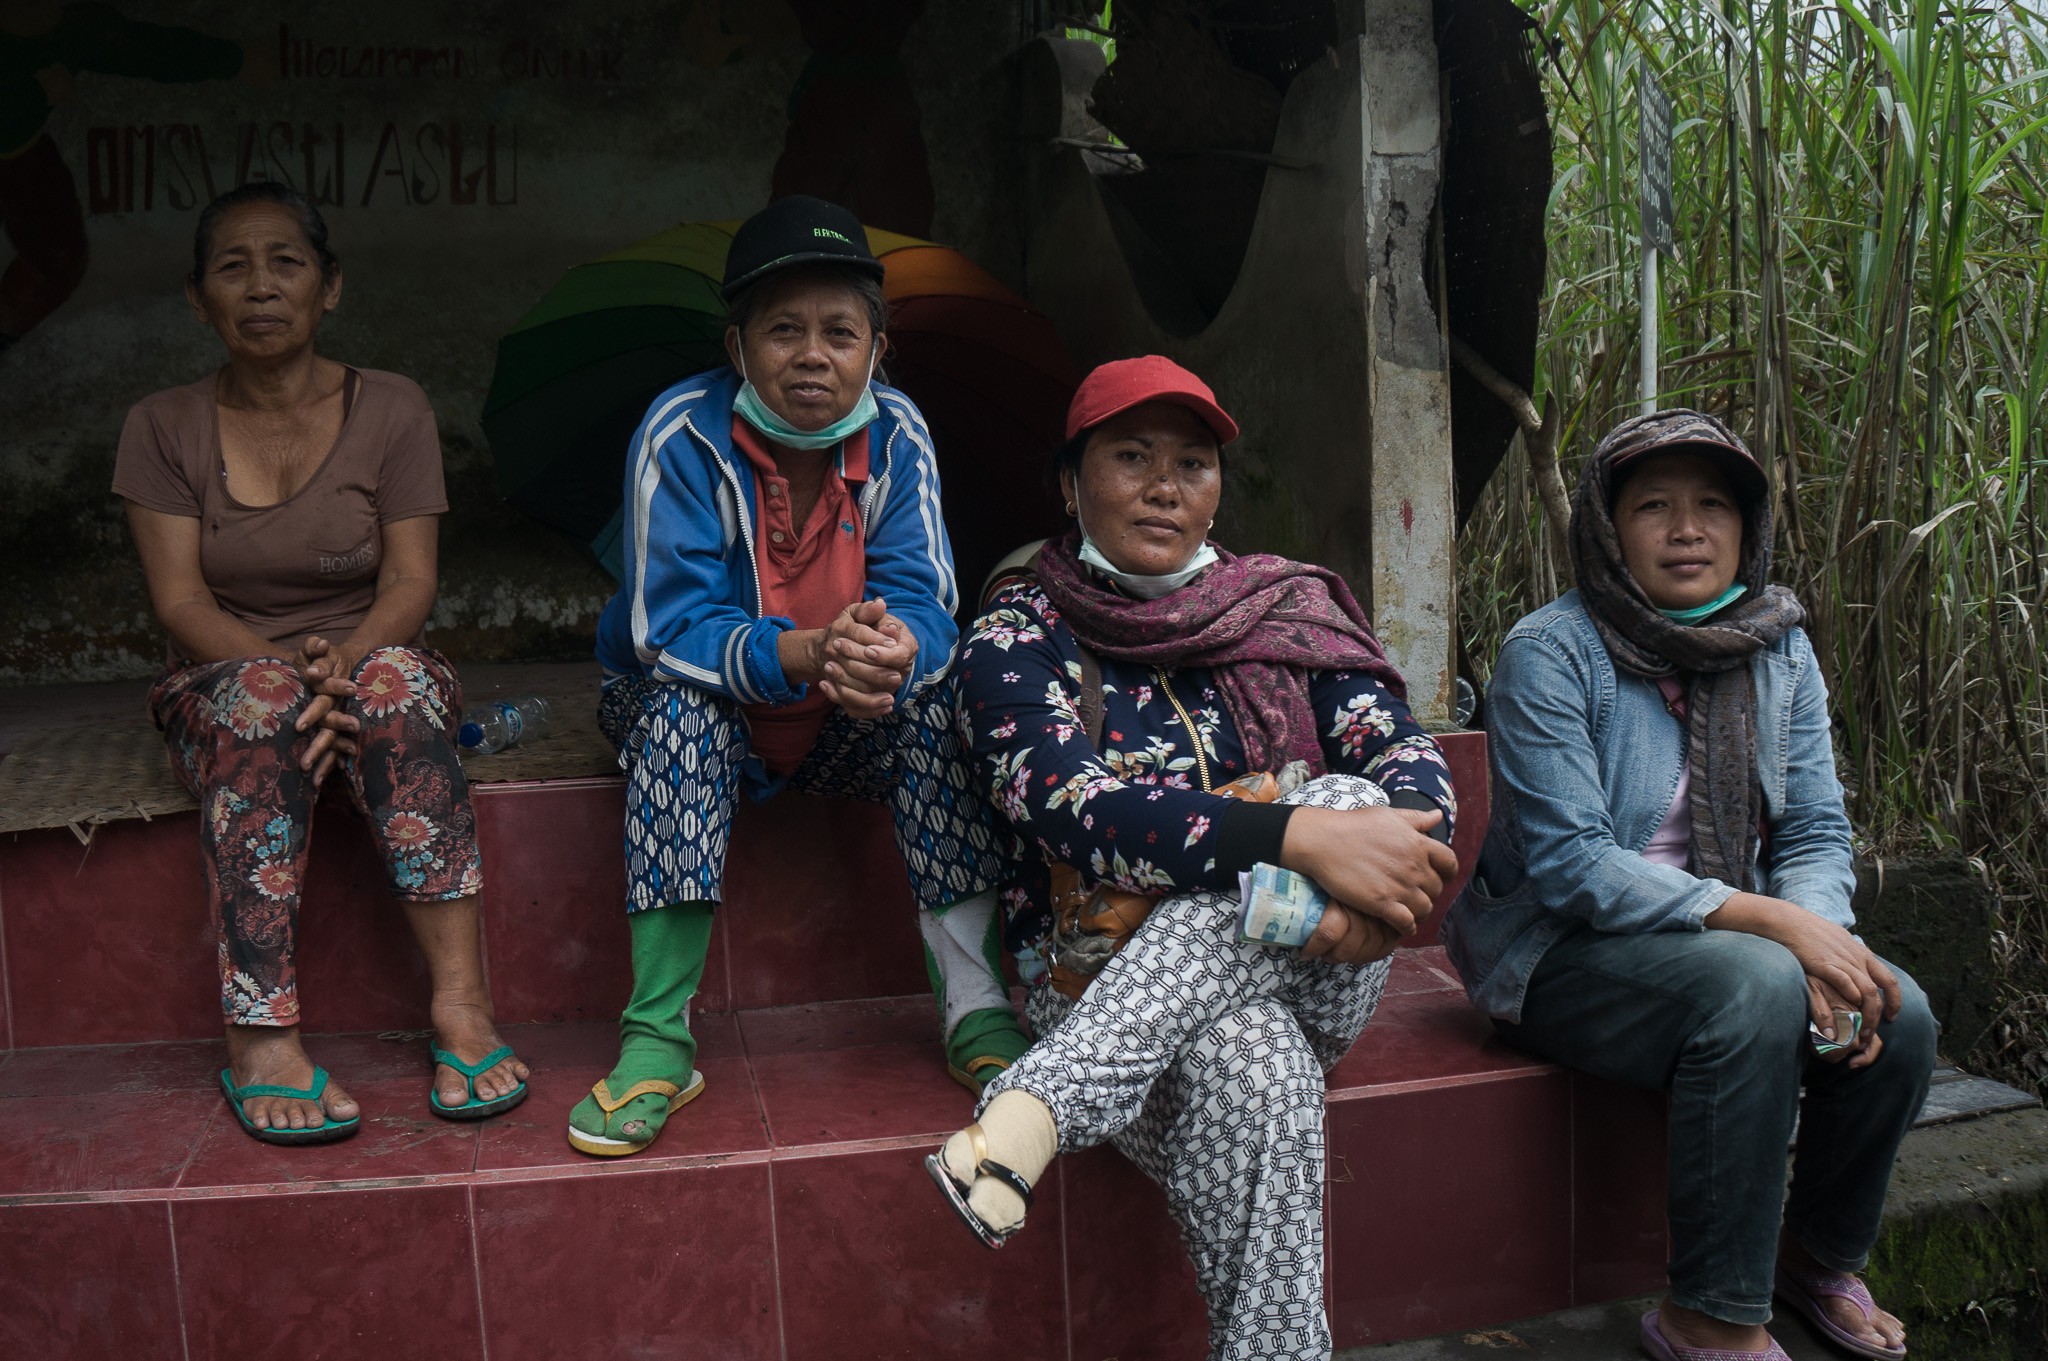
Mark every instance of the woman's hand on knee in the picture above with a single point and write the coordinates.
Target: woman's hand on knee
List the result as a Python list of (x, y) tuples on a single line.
[(1824, 1001), (1827, 953), (1349, 937), (1845, 967), (1377, 862)]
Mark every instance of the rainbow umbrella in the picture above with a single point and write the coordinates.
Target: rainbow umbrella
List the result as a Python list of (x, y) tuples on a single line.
[(577, 373)]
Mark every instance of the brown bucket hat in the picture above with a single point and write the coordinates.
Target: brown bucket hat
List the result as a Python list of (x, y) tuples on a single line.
[(1667, 431)]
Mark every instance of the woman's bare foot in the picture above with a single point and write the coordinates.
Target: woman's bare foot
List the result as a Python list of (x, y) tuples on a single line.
[(1879, 1330), (1685, 1327), (464, 1027), (273, 1055)]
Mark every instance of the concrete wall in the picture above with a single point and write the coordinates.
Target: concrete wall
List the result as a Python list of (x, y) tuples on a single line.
[(1329, 349), (465, 153)]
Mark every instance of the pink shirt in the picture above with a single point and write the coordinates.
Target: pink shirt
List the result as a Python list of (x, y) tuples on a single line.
[(1672, 845)]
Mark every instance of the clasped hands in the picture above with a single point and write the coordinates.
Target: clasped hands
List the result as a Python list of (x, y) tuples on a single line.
[(326, 673), (859, 661), (1381, 868)]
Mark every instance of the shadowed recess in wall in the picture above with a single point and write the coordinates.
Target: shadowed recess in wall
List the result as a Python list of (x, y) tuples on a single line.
[(1496, 189), (1195, 94)]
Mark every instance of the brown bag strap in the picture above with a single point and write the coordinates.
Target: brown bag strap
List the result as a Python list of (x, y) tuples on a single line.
[(1092, 703)]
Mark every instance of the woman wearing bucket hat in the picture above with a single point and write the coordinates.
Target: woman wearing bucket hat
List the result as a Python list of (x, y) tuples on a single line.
[(1663, 895), (1117, 692), (786, 620)]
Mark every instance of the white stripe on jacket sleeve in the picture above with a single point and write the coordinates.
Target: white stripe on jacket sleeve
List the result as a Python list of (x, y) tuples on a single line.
[(928, 506), (646, 480)]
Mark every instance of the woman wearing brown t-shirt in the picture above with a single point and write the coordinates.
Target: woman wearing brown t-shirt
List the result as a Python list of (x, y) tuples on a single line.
[(284, 508)]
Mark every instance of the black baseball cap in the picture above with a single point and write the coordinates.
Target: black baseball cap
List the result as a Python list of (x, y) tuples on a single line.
[(798, 230)]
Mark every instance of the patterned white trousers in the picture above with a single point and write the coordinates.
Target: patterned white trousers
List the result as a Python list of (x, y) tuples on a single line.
[(1201, 1057)]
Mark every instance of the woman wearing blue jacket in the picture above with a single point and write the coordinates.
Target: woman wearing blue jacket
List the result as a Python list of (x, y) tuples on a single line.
[(786, 620), (1663, 895)]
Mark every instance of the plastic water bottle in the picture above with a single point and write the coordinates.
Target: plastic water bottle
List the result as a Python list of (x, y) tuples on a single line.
[(498, 725)]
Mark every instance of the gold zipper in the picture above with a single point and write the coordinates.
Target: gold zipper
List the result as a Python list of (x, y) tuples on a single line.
[(1194, 733)]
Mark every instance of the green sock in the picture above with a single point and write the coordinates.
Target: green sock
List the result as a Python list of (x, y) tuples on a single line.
[(991, 1033), (669, 946)]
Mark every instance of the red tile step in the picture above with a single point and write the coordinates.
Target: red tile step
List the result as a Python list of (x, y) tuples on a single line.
[(787, 1213), (830, 923)]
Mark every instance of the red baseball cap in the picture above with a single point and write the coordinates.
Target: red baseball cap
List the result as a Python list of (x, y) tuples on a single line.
[(1124, 383)]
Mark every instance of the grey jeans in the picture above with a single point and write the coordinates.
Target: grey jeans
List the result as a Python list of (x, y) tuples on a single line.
[(1718, 1020)]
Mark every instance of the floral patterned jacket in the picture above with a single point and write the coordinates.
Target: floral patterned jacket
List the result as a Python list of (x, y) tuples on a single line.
[(1138, 813)]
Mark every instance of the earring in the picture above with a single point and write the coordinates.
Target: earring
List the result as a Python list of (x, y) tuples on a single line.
[(1070, 508), (1210, 525)]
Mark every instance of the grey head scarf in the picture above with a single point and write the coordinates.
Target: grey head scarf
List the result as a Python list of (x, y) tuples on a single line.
[(1709, 658)]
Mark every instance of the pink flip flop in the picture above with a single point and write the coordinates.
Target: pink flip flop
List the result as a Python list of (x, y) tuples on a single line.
[(1803, 1289), (1663, 1348)]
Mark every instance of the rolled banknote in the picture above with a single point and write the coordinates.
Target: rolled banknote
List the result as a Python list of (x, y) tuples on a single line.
[(1280, 906), (1848, 1030)]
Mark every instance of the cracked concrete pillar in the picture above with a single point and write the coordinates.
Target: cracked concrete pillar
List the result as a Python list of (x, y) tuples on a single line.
[(1413, 490)]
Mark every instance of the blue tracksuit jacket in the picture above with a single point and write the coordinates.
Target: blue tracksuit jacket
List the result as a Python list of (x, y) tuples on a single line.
[(690, 606)]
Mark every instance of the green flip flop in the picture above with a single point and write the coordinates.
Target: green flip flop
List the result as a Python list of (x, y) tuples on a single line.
[(324, 1133), (475, 1109)]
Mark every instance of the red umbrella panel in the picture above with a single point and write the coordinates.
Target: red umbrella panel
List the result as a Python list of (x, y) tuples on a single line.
[(993, 381)]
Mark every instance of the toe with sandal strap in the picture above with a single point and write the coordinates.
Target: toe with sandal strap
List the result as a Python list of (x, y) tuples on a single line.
[(475, 1108), (956, 1190), (1805, 1288), (605, 1146)]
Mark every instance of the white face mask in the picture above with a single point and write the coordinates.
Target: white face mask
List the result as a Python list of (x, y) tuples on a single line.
[(1137, 584), (749, 402)]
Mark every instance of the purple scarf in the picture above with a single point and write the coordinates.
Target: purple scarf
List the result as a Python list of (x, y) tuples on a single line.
[(1262, 623)]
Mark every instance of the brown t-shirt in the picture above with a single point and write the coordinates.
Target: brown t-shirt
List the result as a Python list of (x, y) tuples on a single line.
[(309, 563)]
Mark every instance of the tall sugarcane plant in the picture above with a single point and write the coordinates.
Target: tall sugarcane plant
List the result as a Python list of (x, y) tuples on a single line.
[(1862, 287)]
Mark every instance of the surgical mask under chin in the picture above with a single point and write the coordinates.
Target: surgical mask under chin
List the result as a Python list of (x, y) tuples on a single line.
[(750, 405), (1137, 584), (1712, 607)]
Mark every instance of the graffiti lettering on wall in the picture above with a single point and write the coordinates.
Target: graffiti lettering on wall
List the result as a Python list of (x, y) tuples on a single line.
[(301, 58), (177, 167)]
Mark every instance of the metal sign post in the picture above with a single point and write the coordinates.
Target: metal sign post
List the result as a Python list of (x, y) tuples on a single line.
[(1653, 192)]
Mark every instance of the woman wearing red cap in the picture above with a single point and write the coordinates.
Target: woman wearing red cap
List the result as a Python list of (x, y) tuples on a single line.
[(1109, 695), (1663, 896)]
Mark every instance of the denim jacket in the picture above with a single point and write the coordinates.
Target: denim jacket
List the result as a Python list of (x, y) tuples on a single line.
[(1586, 762)]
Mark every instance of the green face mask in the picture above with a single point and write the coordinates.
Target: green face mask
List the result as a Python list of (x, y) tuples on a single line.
[(1711, 608), (749, 404)]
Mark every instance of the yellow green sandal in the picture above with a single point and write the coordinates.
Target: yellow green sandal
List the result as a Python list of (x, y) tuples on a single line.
[(601, 1146), (970, 1076)]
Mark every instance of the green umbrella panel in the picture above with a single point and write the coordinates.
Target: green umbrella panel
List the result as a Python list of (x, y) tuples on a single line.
[(575, 376)]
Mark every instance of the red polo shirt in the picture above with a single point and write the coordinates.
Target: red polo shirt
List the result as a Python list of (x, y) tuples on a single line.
[(809, 573)]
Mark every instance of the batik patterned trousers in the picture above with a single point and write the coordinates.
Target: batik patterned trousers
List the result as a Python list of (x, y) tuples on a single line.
[(1201, 1057), (682, 749), (229, 726)]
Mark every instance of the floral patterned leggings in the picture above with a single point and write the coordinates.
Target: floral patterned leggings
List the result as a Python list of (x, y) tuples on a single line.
[(229, 726)]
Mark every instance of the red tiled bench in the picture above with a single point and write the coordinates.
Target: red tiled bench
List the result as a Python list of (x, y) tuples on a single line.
[(1469, 1184)]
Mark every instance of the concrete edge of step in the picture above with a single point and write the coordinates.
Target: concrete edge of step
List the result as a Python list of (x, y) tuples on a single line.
[(1963, 1260)]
